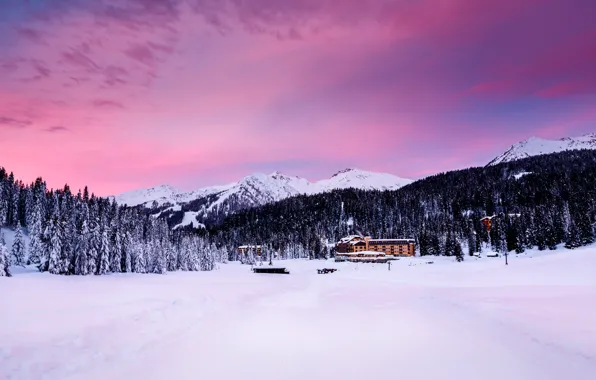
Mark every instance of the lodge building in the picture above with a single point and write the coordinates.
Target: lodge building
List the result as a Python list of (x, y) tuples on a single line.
[(389, 247), (246, 249)]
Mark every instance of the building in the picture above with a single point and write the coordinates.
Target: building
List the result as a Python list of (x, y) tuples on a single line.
[(390, 247), (246, 249), (487, 222)]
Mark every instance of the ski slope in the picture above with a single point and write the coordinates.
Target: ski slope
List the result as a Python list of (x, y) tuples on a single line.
[(533, 319)]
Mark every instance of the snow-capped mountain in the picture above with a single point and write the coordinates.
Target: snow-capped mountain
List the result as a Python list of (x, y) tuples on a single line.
[(255, 190), (535, 146)]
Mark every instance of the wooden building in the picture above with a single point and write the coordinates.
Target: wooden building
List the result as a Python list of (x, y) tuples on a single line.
[(246, 249), (391, 247)]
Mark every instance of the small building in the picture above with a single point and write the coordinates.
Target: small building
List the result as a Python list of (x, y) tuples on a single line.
[(487, 222), (247, 249), (347, 244)]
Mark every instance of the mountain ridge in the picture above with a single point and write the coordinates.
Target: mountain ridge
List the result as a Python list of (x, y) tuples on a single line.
[(253, 190), (534, 146)]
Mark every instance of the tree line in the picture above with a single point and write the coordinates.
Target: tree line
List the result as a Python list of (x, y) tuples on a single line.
[(81, 234)]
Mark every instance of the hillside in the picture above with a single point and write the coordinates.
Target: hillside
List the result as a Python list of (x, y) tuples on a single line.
[(536, 146), (211, 204), (554, 196)]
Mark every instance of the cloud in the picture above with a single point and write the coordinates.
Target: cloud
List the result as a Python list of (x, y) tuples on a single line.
[(56, 128), (32, 35), (14, 123), (107, 103), (141, 53)]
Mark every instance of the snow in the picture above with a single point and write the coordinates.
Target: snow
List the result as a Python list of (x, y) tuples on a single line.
[(535, 146), (519, 175), (190, 217), (9, 235), (532, 319), (260, 188)]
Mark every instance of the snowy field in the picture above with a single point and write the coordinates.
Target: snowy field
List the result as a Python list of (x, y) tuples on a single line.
[(534, 319)]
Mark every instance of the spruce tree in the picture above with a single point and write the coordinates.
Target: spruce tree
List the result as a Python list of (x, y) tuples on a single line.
[(116, 259), (18, 247), (4, 258), (82, 251), (104, 254), (55, 265), (36, 250)]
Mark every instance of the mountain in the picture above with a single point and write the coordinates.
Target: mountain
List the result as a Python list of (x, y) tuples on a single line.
[(216, 202), (542, 201), (535, 146)]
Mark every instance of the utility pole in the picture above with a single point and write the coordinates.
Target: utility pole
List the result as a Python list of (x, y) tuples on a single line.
[(506, 254)]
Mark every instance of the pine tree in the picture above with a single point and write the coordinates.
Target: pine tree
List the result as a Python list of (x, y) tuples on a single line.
[(55, 262), (36, 236), (159, 258), (140, 264), (573, 239), (82, 251), (116, 260), (126, 247), (4, 264), (18, 248), (104, 254)]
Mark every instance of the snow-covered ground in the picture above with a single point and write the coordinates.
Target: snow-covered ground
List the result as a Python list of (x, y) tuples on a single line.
[(480, 319)]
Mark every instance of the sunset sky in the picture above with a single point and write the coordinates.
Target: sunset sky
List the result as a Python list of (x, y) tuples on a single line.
[(123, 94)]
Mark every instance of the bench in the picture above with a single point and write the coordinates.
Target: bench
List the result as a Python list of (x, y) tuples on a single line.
[(270, 270), (326, 270)]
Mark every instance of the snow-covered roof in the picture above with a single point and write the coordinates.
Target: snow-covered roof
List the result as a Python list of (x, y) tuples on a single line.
[(354, 242), (249, 246), (371, 253), (400, 240), (349, 238)]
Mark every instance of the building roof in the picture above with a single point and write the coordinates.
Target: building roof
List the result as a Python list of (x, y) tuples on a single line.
[(401, 240), (361, 253), (249, 246), (349, 238)]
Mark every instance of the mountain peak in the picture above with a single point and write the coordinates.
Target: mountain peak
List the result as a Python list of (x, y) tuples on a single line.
[(348, 170), (534, 146)]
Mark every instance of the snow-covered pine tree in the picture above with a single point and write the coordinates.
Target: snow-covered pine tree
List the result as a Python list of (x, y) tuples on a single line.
[(18, 247), (126, 248), (116, 259), (104, 253), (82, 251), (159, 258), (15, 205), (55, 263), (139, 257), (94, 244), (573, 238), (36, 235), (194, 261), (4, 256), (3, 203)]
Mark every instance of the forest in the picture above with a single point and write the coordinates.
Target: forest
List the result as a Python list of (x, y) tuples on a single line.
[(81, 234)]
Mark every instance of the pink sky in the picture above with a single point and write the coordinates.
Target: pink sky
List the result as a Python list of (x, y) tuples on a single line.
[(123, 94)]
